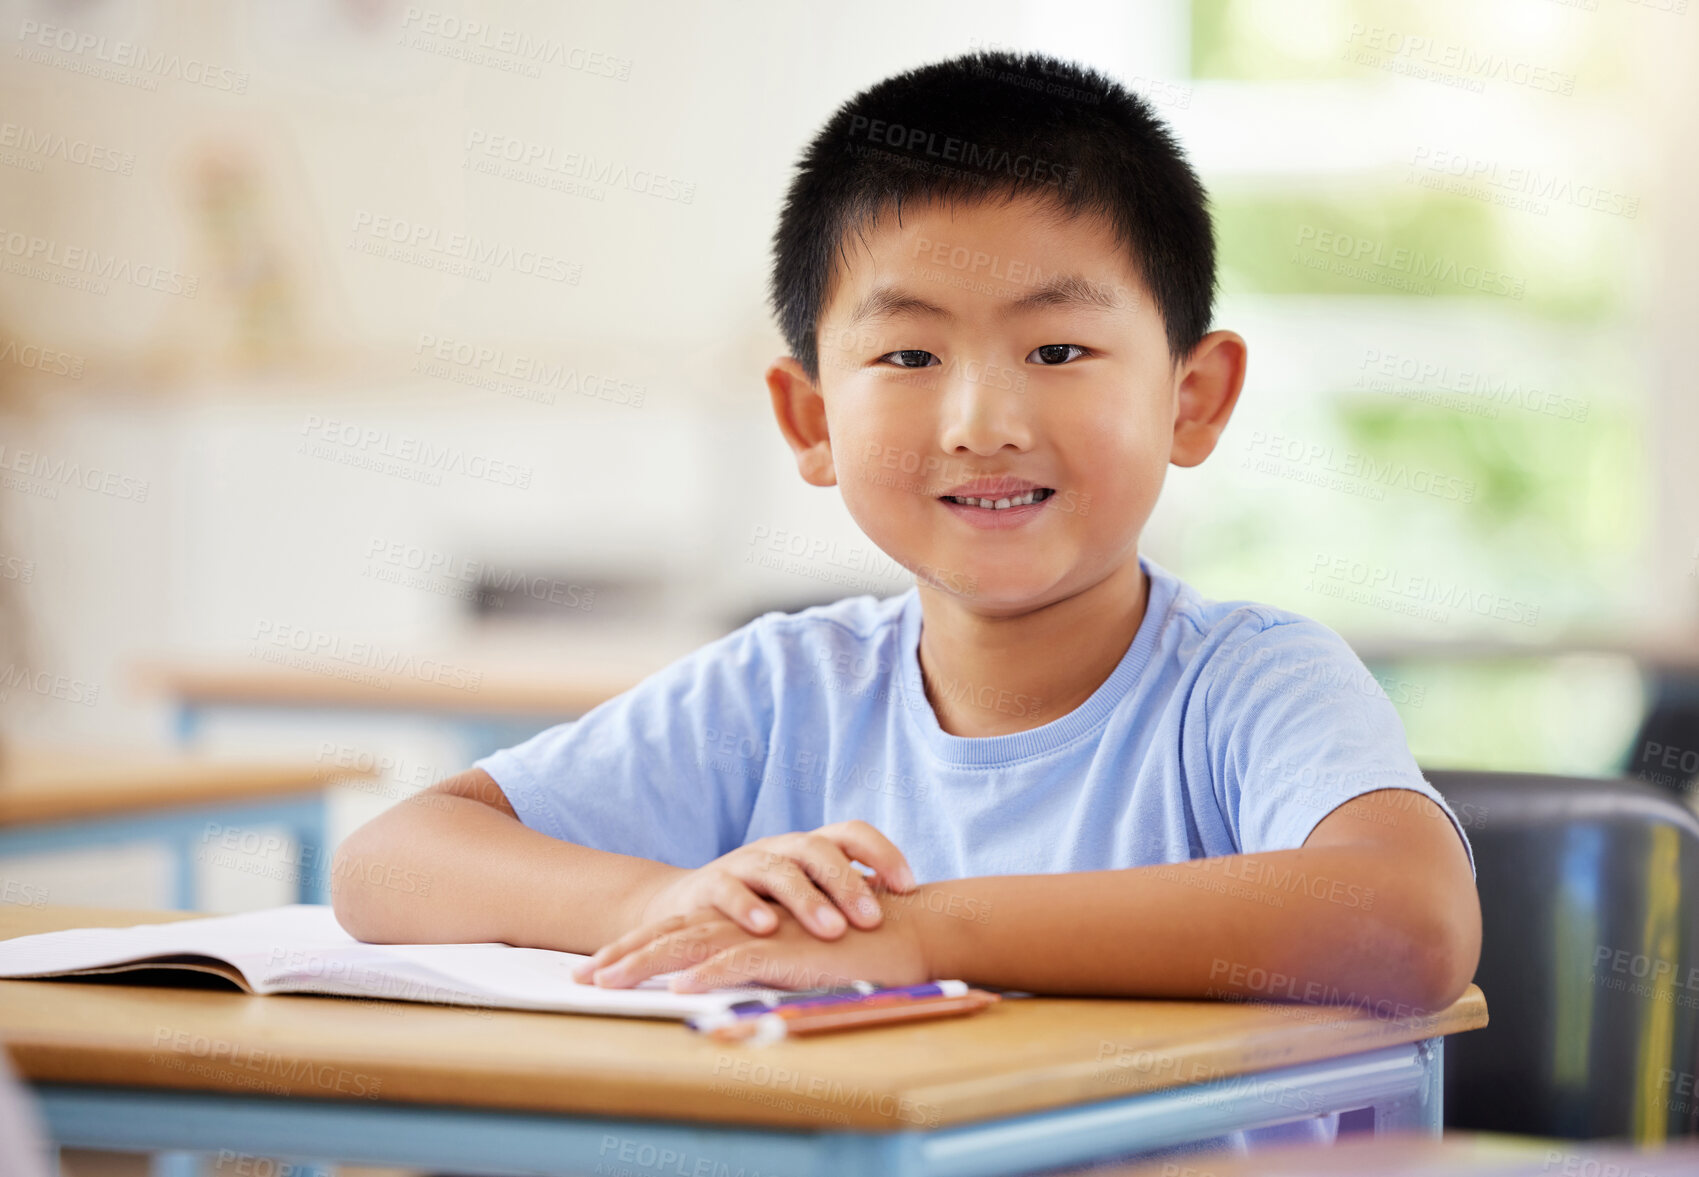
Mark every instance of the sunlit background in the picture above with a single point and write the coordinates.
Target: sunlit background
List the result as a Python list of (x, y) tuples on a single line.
[(370, 372)]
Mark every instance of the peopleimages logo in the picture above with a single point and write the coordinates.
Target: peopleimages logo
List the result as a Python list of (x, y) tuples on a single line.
[(513, 50), (49, 686), (518, 375), (127, 55), (415, 241), (45, 474), (533, 160), (1358, 256), (449, 574), (306, 649), (962, 153), (57, 145), (42, 359), (1348, 470), (1429, 589), (404, 456), (1480, 392), (1449, 62), (1524, 181), (30, 252)]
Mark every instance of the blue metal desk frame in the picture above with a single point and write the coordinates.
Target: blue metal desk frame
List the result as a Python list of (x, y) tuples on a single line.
[(1401, 1084), (183, 828)]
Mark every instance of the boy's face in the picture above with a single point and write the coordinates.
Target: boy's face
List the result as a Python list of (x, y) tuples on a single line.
[(958, 345)]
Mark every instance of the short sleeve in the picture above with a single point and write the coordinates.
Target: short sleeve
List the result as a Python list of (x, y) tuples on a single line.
[(668, 770), (1295, 727)]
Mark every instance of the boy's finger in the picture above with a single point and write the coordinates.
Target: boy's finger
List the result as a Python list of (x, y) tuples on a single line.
[(752, 913), (827, 865), (783, 880), (714, 973), (864, 843), (682, 949), (635, 938), (742, 964), (612, 951)]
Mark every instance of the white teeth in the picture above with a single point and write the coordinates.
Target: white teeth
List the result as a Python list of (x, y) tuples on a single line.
[(1030, 496)]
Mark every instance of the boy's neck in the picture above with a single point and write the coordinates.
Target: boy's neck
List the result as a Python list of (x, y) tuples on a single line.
[(993, 676)]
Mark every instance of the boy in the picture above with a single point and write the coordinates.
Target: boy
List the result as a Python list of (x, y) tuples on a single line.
[(1067, 772)]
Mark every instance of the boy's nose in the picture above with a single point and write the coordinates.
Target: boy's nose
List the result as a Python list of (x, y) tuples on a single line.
[(983, 408)]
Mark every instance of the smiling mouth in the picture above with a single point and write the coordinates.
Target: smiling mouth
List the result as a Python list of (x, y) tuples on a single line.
[(1031, 496)]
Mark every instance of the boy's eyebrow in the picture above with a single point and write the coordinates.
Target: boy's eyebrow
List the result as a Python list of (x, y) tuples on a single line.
[(1063, 290)]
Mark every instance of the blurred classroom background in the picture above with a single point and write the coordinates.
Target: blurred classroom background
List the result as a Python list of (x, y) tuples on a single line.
[(381, 382)]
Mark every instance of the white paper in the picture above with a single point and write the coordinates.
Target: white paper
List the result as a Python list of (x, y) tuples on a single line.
[(301, 948)]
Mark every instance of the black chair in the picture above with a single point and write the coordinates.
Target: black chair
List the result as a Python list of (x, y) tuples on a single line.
[(1665, 751), (1589, 959)]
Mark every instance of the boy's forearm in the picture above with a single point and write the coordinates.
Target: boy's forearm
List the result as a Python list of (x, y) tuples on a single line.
[(1330, 923), (444, 869)]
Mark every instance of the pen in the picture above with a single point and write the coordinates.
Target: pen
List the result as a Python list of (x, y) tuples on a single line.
[(748, 1009), (768, 1000), (846, 993), (774, 1027)]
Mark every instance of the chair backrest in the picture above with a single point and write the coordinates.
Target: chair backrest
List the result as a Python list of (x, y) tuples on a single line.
[(1665, 751), (1589, 959)]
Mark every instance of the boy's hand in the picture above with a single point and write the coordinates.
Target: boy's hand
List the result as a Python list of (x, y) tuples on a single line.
[(809, 873), (715, 952)]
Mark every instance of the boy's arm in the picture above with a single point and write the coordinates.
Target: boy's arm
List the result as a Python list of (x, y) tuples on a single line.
[(1377, 908), (453, 864), (1378, 905)]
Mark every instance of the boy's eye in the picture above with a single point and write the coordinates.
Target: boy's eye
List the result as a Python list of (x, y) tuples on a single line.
[(1055, 354), (910, 353), (1051, 355)]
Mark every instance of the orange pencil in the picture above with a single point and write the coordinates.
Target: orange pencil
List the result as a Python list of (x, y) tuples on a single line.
[(777, 1026)]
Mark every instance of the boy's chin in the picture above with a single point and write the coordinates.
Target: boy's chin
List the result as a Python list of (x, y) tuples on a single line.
[(994, 594)]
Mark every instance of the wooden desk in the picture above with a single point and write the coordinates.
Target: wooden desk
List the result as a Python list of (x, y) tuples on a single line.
[(526, 691), (55, 799), (495, 698), (1029, 1084)]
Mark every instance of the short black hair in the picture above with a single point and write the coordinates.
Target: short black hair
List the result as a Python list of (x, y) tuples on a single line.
[(994, 123)]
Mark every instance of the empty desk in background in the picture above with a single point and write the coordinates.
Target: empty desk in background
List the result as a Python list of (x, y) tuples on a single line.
[(1030, 1084), (492, 706), (59, 799)]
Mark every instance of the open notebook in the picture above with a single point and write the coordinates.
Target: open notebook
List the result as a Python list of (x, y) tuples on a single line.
[(300, 948)]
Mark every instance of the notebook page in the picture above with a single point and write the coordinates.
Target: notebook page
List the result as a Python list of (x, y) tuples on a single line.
[(538, 978), (301, 948), (247, 941)]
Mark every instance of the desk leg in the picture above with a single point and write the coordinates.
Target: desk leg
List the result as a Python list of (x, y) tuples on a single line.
[(482, 735), (1424, 1110), (185, 889), (187, 722), (313, 854), (175, 1164), (193, 834)]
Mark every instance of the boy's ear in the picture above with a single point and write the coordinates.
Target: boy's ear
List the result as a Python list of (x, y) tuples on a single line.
[(801, 413), (1209, 384)]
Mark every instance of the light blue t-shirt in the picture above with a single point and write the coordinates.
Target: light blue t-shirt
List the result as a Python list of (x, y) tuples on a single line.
[(1227, 727)]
